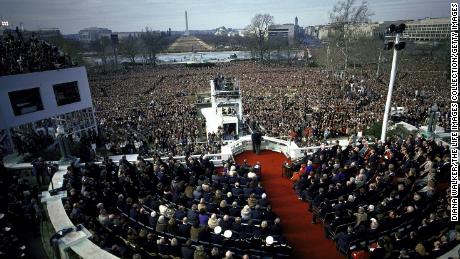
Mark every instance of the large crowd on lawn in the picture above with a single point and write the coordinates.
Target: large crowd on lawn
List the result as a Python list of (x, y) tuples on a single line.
[(20, 54), (147, 110), (389, 199)]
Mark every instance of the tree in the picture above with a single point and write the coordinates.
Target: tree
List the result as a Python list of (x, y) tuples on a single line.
[(72, 48), (103, 50), (130, 48), (259, 29), (153, 43), (344, 17)]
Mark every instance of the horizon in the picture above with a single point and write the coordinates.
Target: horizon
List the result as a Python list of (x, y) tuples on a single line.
[(70, 17)]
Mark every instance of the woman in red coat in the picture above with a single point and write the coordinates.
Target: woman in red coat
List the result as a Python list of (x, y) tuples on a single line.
[(297, 175)]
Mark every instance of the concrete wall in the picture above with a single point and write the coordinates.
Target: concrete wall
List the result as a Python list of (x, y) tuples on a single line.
[(44, 81)]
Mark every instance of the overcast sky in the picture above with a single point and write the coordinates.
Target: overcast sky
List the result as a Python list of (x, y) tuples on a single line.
[(123, 15)]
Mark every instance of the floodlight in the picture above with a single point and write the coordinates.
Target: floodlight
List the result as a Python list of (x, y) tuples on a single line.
[(391, 29), (388, 45), (400, 45), (400, 28)]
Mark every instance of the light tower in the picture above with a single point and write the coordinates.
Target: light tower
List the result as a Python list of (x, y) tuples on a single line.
[(397, 45)]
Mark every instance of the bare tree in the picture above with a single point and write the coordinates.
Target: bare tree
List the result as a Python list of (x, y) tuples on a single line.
[(259, 29), (130, 48), (345, 15), (153, 43), (102, 48)]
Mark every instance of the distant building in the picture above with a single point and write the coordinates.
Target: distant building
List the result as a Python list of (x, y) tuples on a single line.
[(123, 35), (46, 33), (92, 34), (429, 29), (379, 32), (423, 30), (362, 29), (221, 31), (284, 32), (311, 31), (325, 32)]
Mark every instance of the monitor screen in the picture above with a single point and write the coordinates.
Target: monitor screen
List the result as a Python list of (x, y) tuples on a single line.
[(66, 93), (26, 101)]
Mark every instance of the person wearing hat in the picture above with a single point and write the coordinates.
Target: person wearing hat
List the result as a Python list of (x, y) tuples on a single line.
[(213, 221), (216, 235), (161, 224), (246, 213), (229, 255), (200, 253), (172, 227), (215, 254)]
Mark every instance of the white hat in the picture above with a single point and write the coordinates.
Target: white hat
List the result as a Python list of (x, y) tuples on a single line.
[(217, 230), (228, 233), (269, 240), (153, 214), (264, 196)]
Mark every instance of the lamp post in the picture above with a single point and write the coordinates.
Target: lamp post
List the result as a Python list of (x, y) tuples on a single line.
[(397, 46)]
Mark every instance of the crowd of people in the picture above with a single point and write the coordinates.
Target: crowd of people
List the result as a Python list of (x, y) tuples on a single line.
[(20, 54), (20, 214), (168, 208), (390, 199), (155, 108)]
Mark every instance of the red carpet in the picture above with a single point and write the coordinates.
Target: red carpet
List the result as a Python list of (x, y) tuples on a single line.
[(307, 240)]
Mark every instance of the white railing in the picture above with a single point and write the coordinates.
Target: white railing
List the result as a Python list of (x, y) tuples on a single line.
[(216, 159), (288, 148)]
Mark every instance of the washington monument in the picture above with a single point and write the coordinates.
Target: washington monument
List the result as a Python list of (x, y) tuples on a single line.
[(187, 33)]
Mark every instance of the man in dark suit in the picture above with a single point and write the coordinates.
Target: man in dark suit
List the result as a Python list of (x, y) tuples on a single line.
[(187, 250), (184, 228), (256, 138), (39, 168)]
